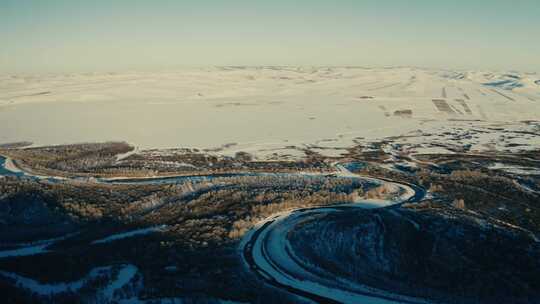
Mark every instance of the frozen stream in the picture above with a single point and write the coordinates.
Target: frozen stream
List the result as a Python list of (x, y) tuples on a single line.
[(268, 254), (264, 249)]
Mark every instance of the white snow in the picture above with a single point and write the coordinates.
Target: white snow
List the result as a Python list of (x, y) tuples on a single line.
[(33, 248), (120, 157), (271, 255), (41, 288), (124, 275), (10, 166), (262, 110), (128, 234), (520, 170), (24, 251)]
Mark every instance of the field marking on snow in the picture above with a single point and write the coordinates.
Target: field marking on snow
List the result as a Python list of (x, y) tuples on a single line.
[(464, 105), (385, 111), (443, 106), (456, 110), (503, 95), (26, 95), (385, 86)]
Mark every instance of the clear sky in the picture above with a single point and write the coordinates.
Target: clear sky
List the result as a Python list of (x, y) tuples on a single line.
[(114, 35)]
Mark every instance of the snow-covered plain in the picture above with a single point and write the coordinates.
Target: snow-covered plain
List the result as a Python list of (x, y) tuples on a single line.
[(260, 110)]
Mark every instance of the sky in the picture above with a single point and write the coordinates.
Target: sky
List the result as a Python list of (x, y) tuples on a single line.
[(104, 35)]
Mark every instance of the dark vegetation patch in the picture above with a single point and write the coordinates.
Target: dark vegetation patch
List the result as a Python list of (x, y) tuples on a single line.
[(476, 234), (431, 251)]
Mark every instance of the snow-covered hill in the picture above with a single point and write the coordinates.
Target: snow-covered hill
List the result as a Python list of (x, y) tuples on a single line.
[(261, 110)]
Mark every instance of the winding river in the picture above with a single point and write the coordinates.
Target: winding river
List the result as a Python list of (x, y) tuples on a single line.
[(266, 251)]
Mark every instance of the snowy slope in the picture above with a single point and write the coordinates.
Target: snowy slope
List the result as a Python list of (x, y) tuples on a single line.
[(262, 110)]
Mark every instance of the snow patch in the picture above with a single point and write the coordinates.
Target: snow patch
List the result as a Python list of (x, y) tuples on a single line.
[(129, 234)]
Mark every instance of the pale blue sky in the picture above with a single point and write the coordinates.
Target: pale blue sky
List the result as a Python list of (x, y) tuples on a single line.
[(102, 35)]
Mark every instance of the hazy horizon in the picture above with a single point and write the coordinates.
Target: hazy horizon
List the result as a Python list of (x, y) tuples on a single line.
[(68, 36)]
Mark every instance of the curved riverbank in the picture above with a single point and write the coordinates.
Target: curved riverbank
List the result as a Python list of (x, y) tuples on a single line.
[(267, 254)]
